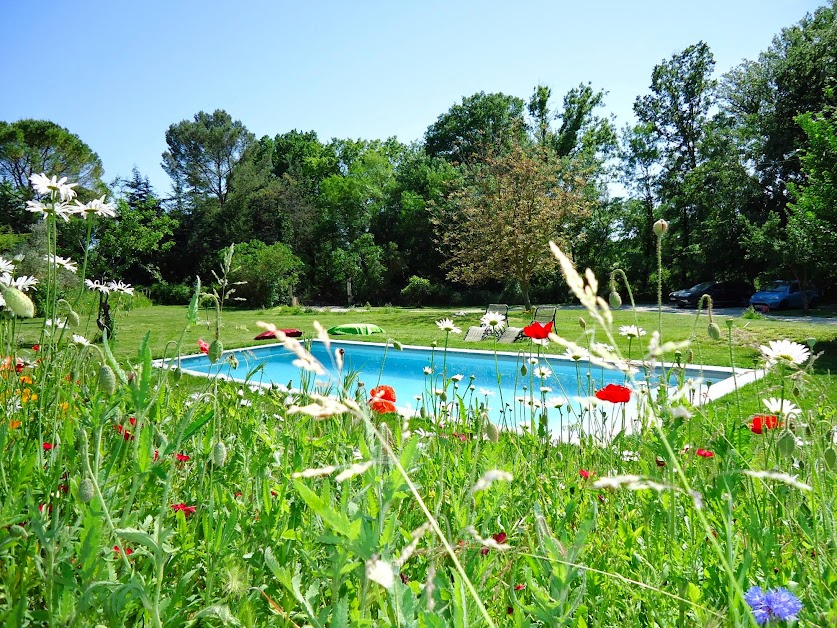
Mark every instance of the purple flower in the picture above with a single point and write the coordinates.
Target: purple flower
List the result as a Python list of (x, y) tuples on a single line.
[(783, 604), (779, 604)]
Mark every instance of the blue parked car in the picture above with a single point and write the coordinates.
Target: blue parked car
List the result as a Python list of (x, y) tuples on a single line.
[(783, 295)]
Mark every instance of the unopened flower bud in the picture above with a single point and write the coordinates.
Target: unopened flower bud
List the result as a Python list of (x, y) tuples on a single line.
[(582, 323), (18, 532), (523, 370), (17, 302), (86, 490), (660, 227), (714, 331), (615, 300), (73, 318), (107, 380), (492, 432), (215, 351), (219, 454)]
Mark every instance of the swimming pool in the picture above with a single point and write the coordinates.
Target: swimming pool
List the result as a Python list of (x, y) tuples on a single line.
[(438, 383)]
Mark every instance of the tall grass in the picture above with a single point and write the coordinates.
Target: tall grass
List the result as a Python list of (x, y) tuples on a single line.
[(154, 499)]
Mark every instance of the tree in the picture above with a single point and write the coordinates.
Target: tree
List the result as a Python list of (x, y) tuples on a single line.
[(677, 110), (130, 246), (30, 147), (269, 272), (497, 225), (484, 124), (203, 153)]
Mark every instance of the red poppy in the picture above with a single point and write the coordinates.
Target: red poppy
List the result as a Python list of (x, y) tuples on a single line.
[(614, 393), (386, 393), (660, 462), (126, 435), (19, 366), (461, 437), (238, 494), (63, 488), (704, 453), (203, 345), (47, 446), (132, 421), (128, 550), (519, 587), (36, 347), (381, 406), (156, 455), (182, 457), (761, 422), (404, 578), (584, 473), (186, 510), (538, 331), (500, 537)]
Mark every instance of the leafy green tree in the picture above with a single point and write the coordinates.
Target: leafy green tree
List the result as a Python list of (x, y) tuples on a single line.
[(270, 273), (30, 147), (498, 223), (483, 124), (677, 111), (203, 152), (130, 246)]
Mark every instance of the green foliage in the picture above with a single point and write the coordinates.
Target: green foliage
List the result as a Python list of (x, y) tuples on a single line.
[(268, 272), (417, 291), (202, 154)]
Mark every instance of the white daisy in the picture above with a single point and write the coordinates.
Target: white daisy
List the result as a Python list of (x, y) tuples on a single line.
[(782, 406), (46, 185), (542, 372), (6, 267), (62, 262), (62, 210), (97, 285), (22, 283), (118, 286), (427, 370), (58, 323), (494, 320), (576, 353), (785, 352), (457, 377), (631, 331), (81, 340), (556, 402), (448, 326), (489, 477), (96, 207)]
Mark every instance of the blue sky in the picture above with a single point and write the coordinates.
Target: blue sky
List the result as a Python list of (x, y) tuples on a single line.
[(119, 73)]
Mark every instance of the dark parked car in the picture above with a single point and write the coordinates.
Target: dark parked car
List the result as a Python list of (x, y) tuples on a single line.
[(782, 295), (722, 293)]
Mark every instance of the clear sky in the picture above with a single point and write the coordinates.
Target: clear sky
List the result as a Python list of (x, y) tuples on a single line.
[(118, 73)]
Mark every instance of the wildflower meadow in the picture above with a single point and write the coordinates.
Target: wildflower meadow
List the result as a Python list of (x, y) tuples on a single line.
[(132, 494)]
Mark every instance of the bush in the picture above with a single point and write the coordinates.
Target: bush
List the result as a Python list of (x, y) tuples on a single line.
[(417, 291), (268, 273), (164, 293)]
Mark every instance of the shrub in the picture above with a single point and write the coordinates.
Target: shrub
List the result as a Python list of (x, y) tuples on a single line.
[(164, 293), (417, 291), (269, 273)]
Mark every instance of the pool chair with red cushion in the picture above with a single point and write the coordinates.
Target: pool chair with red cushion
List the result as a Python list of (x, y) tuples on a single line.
[(269, 335)]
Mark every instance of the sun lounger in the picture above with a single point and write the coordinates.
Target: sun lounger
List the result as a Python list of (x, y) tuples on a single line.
[(476, 333), (510, 334)]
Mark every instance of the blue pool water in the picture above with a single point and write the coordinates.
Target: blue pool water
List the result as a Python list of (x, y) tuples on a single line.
[(520, 398)]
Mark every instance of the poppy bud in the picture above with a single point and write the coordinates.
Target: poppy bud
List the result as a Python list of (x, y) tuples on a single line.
[(523, 370), (18, 532), (660, 227), (215, 351), (492, 432), (714, 331), (86, 490), (72, 316), (17, 302), (582, 323), (615, 300), (219, 454), (107, 380), (786, 444)]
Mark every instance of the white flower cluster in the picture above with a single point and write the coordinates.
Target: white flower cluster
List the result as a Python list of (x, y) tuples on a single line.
[(61, 193), (7, 278), (110, 286)]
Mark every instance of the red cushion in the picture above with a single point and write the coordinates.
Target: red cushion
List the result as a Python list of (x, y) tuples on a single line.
[(291, 333)]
